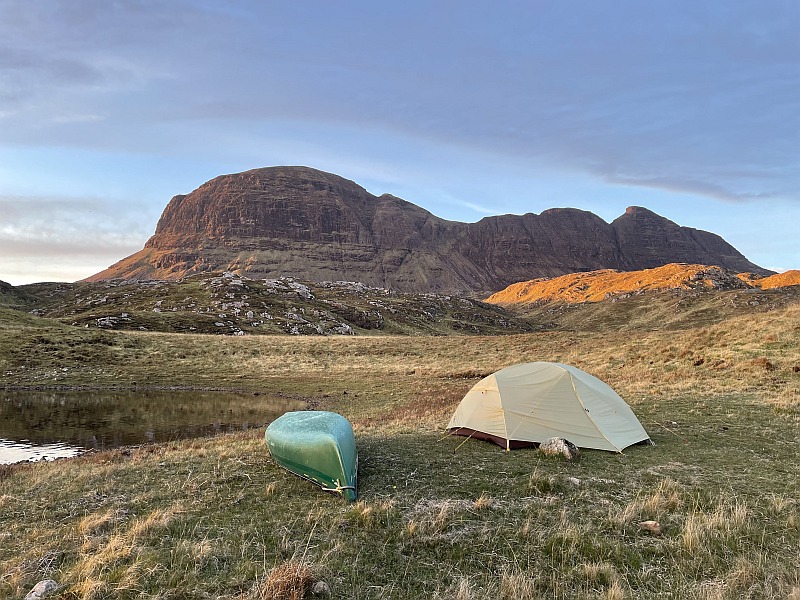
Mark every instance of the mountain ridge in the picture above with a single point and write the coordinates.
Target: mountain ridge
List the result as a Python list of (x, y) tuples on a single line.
[(301, 222)]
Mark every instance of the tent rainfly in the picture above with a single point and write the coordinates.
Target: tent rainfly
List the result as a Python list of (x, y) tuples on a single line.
[(523, 405)]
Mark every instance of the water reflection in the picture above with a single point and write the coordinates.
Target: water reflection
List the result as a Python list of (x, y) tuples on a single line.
[(47, 424)]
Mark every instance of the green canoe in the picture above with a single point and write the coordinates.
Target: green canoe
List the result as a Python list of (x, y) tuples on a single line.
[(318, 446)]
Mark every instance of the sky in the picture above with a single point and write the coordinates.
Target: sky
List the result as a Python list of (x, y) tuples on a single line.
[(108, 108)]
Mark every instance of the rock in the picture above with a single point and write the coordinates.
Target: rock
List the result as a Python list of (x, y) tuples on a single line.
[(317, 226), (560, 447), (574, 481), (320, 588), (42, 589), (651, 527)]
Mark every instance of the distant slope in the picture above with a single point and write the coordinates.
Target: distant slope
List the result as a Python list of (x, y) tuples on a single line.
[(675, 296), (316, 226), (12, 297), (778, 280), (604, 284)]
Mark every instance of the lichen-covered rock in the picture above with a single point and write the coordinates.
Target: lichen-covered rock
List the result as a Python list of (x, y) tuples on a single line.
[(560, 447), (653, 527), (42, 589), (321, 588)]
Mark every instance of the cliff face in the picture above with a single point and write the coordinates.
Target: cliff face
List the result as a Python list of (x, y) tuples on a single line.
[(297, 221)]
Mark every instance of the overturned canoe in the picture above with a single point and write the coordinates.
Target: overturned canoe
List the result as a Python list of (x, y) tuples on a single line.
[(318, 446)]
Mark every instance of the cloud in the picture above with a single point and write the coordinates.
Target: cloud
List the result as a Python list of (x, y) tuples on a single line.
[(58, 239), (688, 186), (22, 245), (78, 118), (432, 102), (526, 76), (39, 226)]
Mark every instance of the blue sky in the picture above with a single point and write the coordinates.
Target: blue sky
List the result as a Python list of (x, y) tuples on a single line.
[(109, 108)]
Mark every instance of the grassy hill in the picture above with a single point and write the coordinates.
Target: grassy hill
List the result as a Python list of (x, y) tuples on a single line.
[(229, 304), (674, 296), (13, 297)]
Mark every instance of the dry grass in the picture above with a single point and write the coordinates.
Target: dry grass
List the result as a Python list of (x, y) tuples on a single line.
[(290, 580), (703, 530)]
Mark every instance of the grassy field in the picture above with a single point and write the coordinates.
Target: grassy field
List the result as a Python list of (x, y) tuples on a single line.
[(438, 517)]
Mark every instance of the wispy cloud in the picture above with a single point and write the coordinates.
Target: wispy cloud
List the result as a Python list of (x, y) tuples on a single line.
[(695, 187)]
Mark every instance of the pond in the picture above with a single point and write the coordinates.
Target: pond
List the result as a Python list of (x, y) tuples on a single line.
[(44, 425)]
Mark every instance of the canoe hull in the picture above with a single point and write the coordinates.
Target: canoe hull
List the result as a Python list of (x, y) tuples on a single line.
[(318, 446)]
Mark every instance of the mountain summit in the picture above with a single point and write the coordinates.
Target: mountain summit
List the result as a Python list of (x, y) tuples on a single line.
[(301, 222)]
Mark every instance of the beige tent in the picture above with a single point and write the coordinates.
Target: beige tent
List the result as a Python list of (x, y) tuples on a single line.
[(526, 404)]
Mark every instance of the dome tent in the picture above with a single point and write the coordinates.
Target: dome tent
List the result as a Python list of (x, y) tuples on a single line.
[(525, 404)]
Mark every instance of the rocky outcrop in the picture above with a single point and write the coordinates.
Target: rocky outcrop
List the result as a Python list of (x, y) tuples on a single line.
[(297, 221)]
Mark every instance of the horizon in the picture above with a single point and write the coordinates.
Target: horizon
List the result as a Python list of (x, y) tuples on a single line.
[(109, 110)]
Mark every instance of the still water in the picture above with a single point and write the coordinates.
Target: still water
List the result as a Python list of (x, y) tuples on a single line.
[(44, 425)]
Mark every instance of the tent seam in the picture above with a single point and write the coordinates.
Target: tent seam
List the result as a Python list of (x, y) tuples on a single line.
[(502, 408), (586, 411)]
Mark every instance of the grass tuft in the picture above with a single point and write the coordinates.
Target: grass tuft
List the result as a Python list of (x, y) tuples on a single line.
[(290, 580)]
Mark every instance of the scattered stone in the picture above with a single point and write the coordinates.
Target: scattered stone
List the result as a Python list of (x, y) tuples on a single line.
[(559, 446), (42, 589), (651, 527), (321, 589), (574, 481)]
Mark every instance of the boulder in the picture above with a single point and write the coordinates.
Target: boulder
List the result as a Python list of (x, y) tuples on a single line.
[(560, 447), (321, 588), (652, 527)]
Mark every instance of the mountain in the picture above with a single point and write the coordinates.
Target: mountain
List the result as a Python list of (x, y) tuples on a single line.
[(301, 222), (674, 296)]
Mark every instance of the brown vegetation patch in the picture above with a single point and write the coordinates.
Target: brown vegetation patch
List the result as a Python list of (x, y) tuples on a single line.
[(291, 580), (763, 362), (6, 471)]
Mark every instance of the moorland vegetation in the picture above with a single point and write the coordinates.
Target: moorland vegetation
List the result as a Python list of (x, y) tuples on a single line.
[(714, 377)]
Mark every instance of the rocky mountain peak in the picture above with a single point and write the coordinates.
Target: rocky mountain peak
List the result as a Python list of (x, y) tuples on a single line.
[(301, 222)]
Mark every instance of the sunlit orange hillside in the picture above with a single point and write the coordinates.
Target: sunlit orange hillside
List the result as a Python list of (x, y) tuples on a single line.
[(594, 286), (780, 280)]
